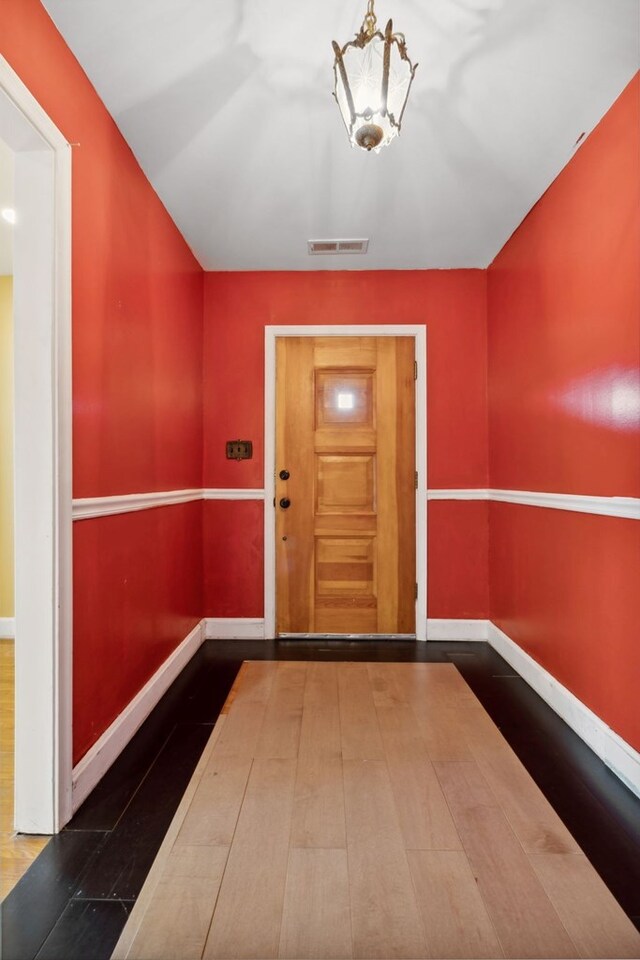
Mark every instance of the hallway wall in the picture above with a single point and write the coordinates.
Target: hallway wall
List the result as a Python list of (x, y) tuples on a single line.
[(564, 413), (452, 304), (137, 379)]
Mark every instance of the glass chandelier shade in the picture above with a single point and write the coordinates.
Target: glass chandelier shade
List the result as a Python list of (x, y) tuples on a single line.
[(373, 76)]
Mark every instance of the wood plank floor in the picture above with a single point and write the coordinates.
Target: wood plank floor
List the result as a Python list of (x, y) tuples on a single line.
[(17, 853), (353, 810)]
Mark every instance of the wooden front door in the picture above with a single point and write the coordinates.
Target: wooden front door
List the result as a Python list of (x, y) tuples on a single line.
[(345, 485)]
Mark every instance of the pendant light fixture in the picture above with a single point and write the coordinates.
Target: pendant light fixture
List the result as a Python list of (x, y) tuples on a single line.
[(373, 75)]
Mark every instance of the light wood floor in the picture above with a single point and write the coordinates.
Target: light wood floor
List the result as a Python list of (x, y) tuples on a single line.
[(367, 810), (16, 852)]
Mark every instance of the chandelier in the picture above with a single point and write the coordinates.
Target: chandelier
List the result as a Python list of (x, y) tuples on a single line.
[(373, 75)]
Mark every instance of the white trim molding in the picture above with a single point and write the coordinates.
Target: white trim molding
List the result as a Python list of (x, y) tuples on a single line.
[(90, 507), (438, 629), (624, 507), (234, 628), (271, 333), (461, 494), (615, 752), (7, 628), (43, 458), (95, 763), (233, 493)]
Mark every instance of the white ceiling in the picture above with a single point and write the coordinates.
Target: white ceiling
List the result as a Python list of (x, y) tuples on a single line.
[(227, 105), (6, 200)]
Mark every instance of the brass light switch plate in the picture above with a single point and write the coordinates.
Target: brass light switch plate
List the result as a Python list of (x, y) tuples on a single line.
[(239, 449)]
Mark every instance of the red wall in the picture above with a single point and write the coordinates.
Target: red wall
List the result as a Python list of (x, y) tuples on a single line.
[(137, 388), (138, 592), (564, 409), (453, 306)]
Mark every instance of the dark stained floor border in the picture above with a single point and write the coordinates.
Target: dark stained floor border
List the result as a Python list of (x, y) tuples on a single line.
[(74, 900)]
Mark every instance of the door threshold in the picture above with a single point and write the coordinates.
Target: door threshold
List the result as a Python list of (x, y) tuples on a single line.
[(346, 636)]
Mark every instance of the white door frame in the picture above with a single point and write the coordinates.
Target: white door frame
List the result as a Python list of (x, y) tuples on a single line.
[(42, 465), (419, 333)]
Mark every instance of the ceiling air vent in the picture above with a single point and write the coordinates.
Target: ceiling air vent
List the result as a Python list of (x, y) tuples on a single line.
[(316, 247)]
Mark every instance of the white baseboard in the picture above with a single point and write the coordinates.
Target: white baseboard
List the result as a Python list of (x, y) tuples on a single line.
[(244, 628), (7, 628), (102, 754), (457, 629), (234, 628), (615, 752)]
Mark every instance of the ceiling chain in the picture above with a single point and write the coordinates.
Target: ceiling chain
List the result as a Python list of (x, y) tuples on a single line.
[(370, 20)]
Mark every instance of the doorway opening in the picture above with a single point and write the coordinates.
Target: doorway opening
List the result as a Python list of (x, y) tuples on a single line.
[(332, 469), (42, 458)]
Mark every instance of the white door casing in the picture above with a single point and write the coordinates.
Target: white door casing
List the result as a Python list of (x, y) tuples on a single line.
[(42, 464), (419, 332)]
